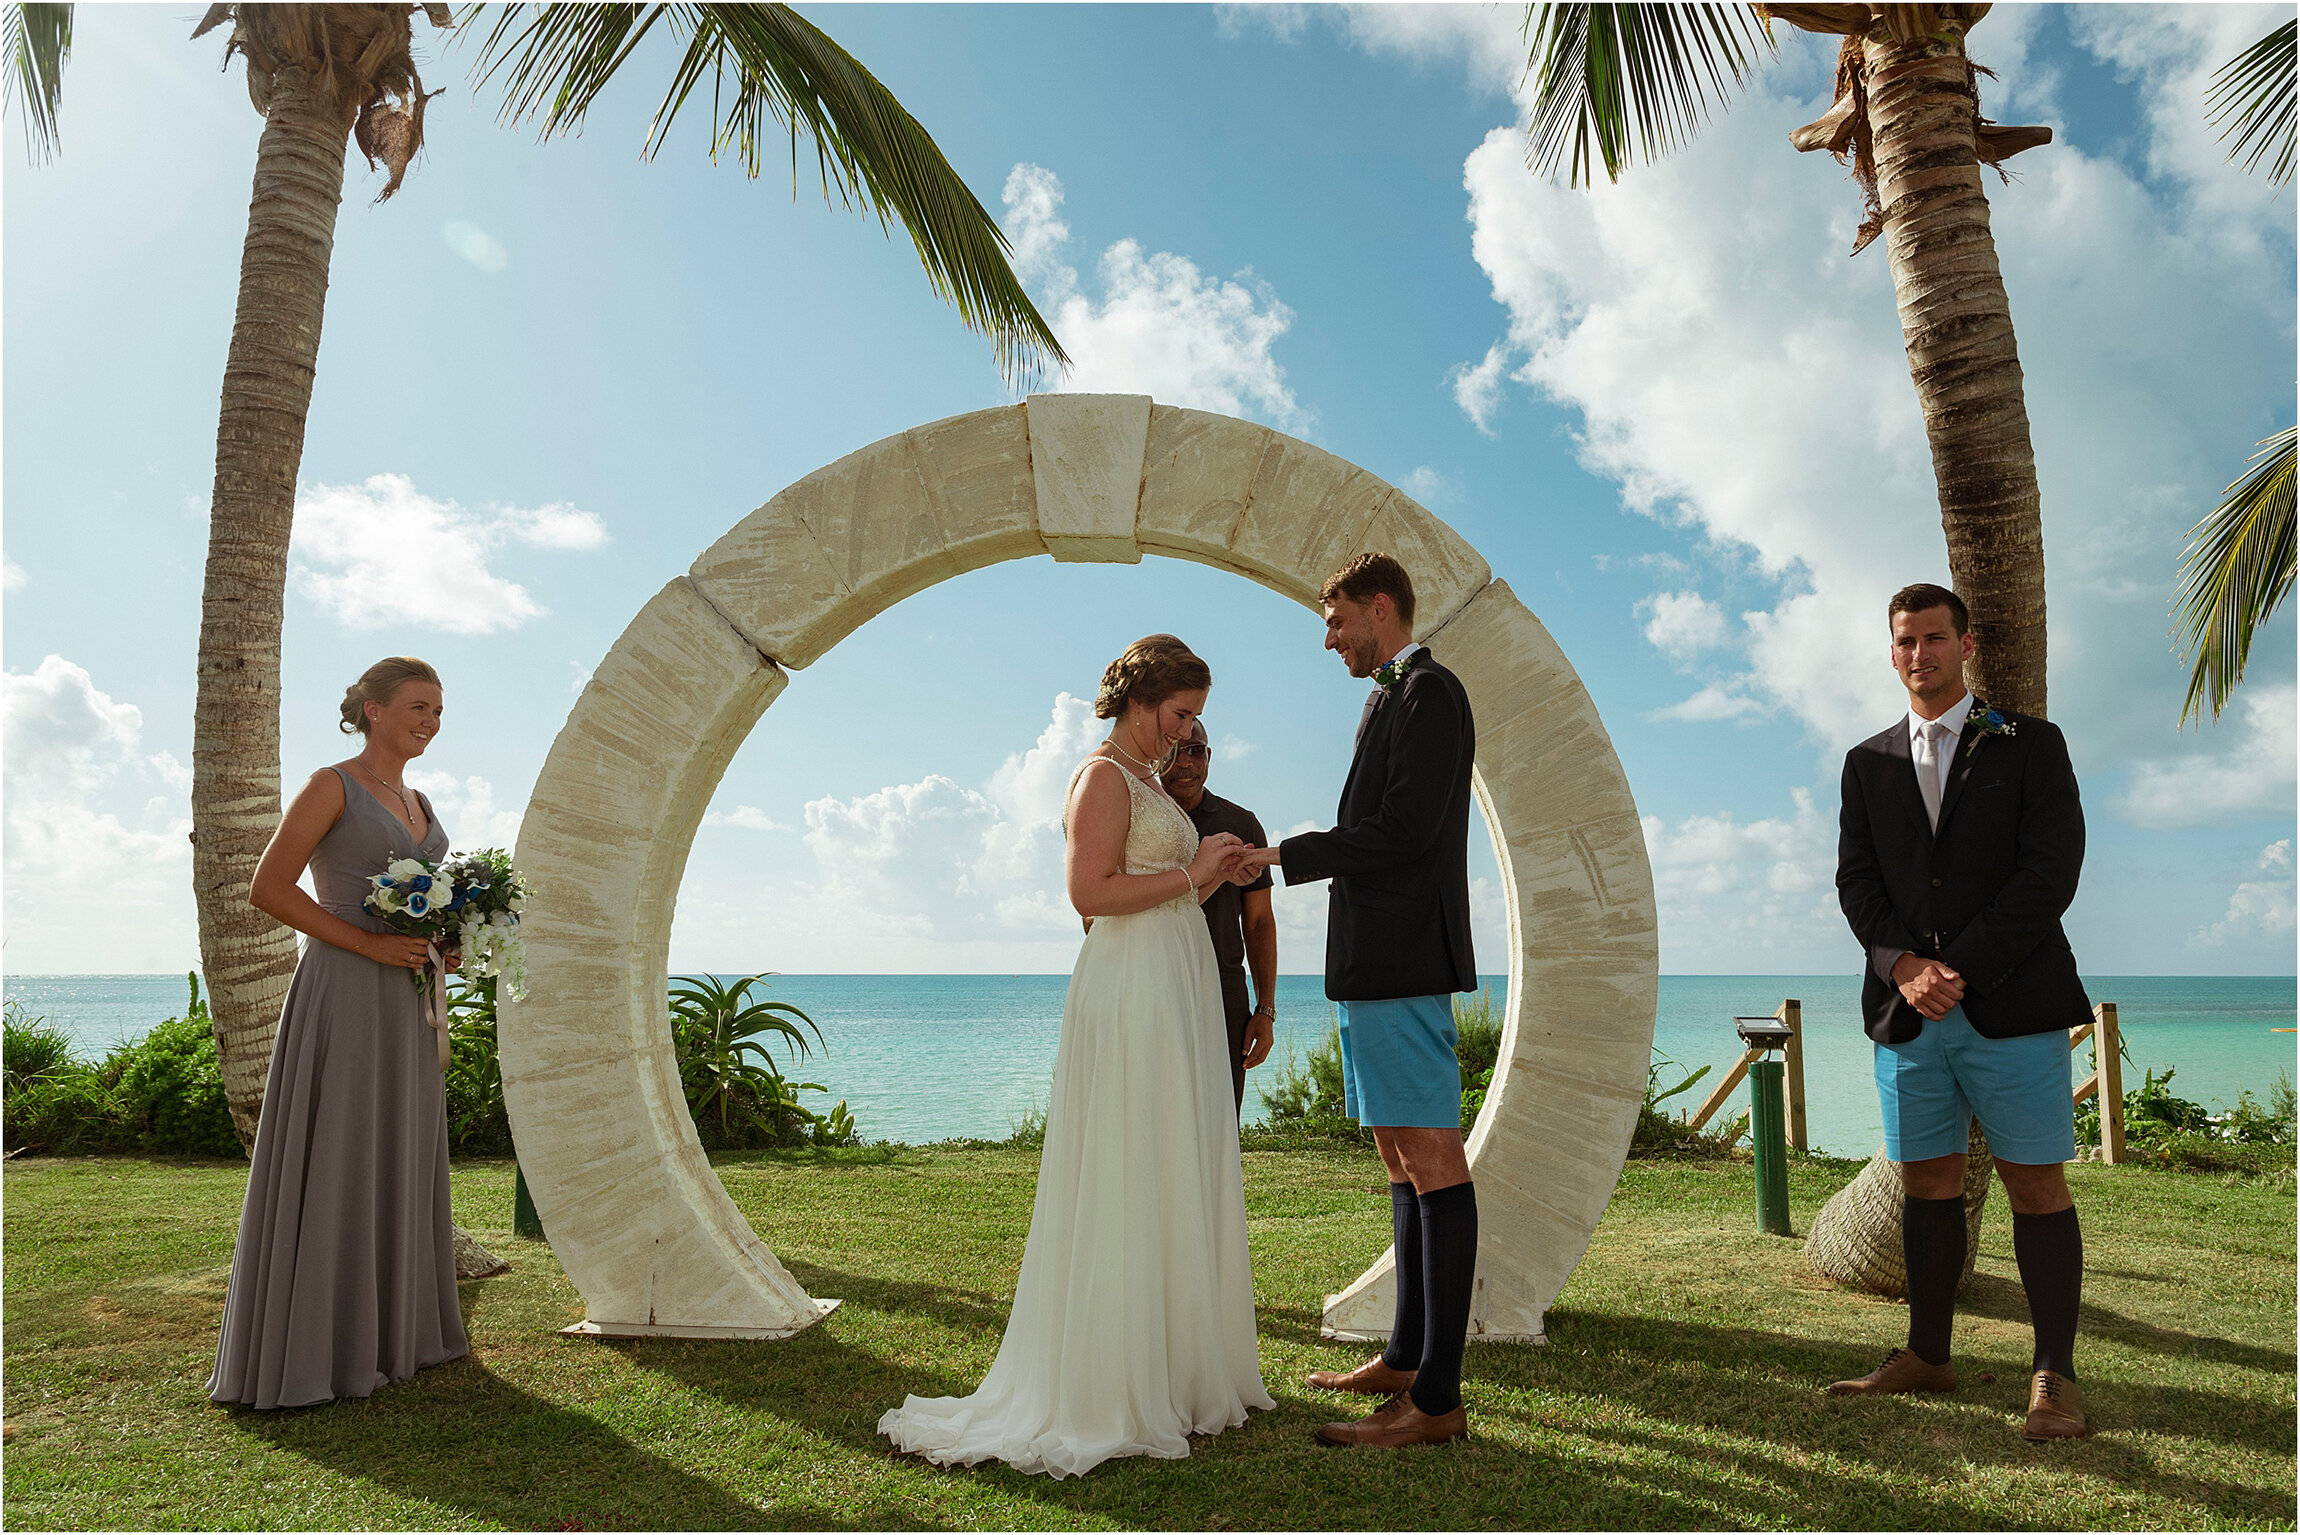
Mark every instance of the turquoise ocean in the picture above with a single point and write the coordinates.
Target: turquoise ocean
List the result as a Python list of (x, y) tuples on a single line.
[(923, 1058)]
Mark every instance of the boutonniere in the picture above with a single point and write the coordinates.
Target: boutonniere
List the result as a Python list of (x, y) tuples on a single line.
[(1984, 721), (1393, 671), (1987, 720)]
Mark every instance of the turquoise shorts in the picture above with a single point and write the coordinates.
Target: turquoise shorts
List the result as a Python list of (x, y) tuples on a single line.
[(1932, 1088), (1398, 1065)]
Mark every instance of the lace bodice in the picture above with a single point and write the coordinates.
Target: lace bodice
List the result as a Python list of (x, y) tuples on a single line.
[(1159, 835)]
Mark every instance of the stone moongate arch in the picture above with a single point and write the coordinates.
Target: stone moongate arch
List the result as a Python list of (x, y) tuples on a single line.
[(632, 1208)]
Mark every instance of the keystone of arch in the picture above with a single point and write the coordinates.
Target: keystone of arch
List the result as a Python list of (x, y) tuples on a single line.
[(631, 1205)]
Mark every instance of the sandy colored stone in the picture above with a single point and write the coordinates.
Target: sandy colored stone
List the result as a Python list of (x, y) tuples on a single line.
[(631, 1204), (634, 1212), (1086, 455)]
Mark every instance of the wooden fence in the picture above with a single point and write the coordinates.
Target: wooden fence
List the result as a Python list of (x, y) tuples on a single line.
[(2106, 1080)]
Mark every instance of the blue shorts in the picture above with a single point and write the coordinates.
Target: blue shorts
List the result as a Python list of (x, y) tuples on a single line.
[(1932, 1088), (1398, 1065)]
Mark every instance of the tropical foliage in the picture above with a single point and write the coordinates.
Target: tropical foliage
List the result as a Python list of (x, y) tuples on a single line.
[(2239, 566), (159, 1094), (739, 1098)]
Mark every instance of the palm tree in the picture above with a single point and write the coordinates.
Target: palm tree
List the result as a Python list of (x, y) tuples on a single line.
[(1614, 81), (2238, 569), (38, 41), (330, 77)]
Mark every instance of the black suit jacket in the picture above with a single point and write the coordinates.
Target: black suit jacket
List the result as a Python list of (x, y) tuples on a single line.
[(1984, 893), (1397, 921)]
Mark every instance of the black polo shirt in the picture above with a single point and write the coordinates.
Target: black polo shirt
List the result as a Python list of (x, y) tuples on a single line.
[(1226, 908)]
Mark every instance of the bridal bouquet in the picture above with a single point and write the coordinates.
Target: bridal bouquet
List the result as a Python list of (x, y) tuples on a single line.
[(471, 901)]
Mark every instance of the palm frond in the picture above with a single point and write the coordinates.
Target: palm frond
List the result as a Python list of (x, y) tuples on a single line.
[(2237, 572), (2252, 97), (39, 42), (766, 64), (1623, 81)]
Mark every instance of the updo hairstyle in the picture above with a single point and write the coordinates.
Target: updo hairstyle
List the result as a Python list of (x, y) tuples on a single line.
[(377, 684), (1153, 669)]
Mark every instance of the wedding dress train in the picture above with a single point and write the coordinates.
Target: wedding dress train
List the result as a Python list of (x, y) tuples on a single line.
[(1133, 1319)]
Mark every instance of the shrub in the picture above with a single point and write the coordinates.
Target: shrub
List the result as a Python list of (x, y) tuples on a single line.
[(1661, 1135), (478, 1125), (739, 1098), (161, 1094)]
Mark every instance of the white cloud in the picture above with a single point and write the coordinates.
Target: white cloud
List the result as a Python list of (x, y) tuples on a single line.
[(1755, 895), (1682, 624), (1739, 377), (475, 245), (582, 676), (12, 577), (747, 817), (383, 555), (2252, 775), (1430, 486), (467, 809), (1477, 386), (1711, 703), (1161, 327), (97, 886), (1233, 749), (2257, 908)]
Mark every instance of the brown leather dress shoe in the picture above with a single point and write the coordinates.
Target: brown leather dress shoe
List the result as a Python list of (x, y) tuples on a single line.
[(1901, 1372), (2055, 1408), (1373, 1378), (1396, 1424)]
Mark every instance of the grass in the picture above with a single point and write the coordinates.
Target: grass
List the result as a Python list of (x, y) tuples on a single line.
[(1681, 1386)]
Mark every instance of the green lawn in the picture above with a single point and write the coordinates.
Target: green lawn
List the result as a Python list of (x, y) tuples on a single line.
[(1681, 1386)]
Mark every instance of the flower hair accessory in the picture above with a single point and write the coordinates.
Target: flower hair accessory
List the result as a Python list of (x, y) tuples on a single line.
[(1393, 671)]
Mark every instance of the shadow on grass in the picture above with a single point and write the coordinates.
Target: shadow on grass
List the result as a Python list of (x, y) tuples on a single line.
[(1994, 1296), (461, 1437)]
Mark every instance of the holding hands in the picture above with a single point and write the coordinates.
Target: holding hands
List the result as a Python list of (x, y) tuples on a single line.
[(1217, 860)]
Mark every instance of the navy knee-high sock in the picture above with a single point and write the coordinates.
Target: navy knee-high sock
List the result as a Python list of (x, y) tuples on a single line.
[(1933, 1252), (1449, 1282), (2050, 1252), (1405, 1350)]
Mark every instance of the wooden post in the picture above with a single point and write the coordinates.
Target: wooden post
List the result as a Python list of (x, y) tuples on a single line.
[(1722, 1091), (2108, 1070), (1793, 1057)]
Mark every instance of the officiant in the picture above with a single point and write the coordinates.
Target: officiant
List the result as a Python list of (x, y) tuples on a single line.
[(1244, 929)]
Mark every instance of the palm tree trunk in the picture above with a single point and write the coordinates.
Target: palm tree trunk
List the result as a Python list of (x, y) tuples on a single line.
[(1957, 324), (247, 956)]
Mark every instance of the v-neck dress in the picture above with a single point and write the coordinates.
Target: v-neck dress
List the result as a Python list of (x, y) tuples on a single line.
[(344, 1276)]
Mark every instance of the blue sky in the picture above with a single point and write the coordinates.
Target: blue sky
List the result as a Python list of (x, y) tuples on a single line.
[(1672, 414)]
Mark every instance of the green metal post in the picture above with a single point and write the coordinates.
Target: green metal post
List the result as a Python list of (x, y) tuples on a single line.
[(1768, 1134), (524, 1221)]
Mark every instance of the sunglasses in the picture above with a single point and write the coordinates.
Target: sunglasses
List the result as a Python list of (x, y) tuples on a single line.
[(1192, 749)]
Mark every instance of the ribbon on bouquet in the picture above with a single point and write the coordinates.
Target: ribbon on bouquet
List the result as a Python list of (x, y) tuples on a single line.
[(435, 1000)]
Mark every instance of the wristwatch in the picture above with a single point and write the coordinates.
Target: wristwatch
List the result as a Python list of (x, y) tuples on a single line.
[(1266, 1011)]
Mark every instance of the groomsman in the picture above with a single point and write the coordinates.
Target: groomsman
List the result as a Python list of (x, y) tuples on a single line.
[(1959, 846), (1238, 918), (1397, 948)]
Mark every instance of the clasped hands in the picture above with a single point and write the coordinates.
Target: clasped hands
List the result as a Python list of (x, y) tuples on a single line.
[(1225, 856), (1929, 986)]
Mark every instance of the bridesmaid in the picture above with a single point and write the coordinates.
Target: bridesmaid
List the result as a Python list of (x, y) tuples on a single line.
[(344, 1277)]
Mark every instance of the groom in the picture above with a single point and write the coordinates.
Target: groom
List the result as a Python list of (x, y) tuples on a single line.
[(1397, 947)]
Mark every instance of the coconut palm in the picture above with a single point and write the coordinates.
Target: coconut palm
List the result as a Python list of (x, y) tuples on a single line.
[(1614, 83), (1618, 82), (329, 78), (38, 41), (2238, 569)]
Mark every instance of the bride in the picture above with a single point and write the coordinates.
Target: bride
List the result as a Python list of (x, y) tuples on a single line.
[(1133, 1320)]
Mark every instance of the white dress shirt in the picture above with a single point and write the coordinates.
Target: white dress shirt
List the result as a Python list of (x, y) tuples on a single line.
[(1952, 719)]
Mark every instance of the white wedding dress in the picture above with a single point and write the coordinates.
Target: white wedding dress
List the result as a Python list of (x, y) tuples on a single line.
[(1133, 1320)]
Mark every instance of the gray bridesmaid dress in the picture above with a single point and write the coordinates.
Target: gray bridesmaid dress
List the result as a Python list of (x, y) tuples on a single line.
[(344, 1277)]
